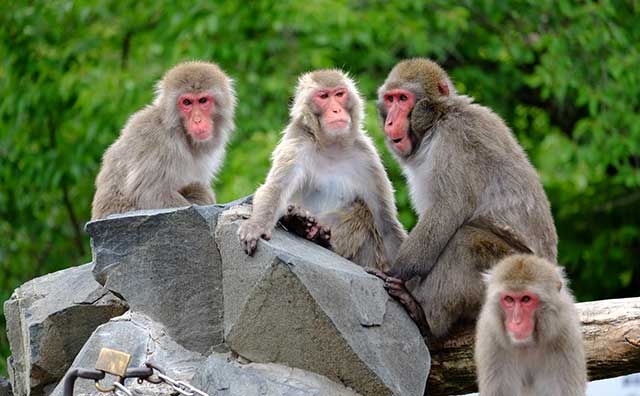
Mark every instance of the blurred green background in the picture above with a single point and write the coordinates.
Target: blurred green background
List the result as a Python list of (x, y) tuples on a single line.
[(565, 75)]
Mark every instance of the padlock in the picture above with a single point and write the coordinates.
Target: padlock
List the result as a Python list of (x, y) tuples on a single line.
[(112, 362)]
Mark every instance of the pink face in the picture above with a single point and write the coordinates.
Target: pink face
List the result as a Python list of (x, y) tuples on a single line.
[(519, 309), (332, 103), (197, 110), (398, 103)]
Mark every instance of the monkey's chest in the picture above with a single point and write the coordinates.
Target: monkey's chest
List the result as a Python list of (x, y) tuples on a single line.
[(329, 194)]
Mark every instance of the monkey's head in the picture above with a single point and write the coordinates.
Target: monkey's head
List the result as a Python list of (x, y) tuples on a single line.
[(199, 97), (410, 102), (329, 106), (528, 293)]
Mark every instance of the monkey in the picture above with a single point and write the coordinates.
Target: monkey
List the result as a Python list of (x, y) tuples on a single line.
[(168, 153), (477, 196), (528, 338), (327, 168)]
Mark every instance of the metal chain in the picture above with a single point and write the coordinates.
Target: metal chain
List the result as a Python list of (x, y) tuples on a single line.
[(182, 387), (143, 373)]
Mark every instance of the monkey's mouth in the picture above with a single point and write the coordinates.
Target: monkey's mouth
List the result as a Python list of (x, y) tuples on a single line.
[(397, 140)]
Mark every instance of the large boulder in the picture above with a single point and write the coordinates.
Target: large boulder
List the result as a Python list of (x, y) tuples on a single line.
[(143, 339), (48, 321), (300, 305), (165, 264), (222, 375)]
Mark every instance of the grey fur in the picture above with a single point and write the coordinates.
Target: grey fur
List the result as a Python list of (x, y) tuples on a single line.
[(554, 364), (154, 159), (466, 170), (342, 182)]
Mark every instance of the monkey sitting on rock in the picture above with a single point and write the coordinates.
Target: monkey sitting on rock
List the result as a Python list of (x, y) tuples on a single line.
[(478, 197), (169, 152), (327, 179)]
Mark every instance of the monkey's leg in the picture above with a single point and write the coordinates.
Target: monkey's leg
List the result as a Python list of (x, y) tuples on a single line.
[(454, 289), (354, 236), (302, 223), (198, 193)]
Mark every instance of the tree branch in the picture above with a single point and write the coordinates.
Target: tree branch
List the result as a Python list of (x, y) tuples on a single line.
[(611, 332)]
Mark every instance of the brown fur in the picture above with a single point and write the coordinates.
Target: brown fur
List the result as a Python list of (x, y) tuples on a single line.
[(155, 163), (341, 181), (477, 195)]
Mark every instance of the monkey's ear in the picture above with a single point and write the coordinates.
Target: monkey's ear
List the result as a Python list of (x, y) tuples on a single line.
[(443, 87), (424, 114)]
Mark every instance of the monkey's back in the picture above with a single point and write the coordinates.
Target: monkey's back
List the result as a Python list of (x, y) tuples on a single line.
[(506, 185), (111, 195)]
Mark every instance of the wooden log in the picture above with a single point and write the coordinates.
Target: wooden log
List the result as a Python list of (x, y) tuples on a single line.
[(611, 332)]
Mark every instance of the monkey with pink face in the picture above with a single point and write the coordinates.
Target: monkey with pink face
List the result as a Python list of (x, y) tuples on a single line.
[(327, 180), (528, 339), (169, 152)]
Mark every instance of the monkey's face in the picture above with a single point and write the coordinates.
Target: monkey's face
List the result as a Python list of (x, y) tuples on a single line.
[(397, 106), (331, 106), (519, 313), (196, 111)]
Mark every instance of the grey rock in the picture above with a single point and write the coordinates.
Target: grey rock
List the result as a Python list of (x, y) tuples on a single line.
[(222, 375), (300, 305), (5, 387), (145, 340), (165, 264), (48, 320)]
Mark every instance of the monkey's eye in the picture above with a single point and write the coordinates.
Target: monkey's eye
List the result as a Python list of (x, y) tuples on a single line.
[(526, 299), (389, 98), (203, 100), (340, 94), (403, 97), (186, 102), (324, 95), (508, 299)]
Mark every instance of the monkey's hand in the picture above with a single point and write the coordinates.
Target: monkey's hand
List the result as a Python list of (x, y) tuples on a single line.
[(302, 223), (398, 289), (249, 234)]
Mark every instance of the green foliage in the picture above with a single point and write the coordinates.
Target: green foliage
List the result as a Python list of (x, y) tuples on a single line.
[(563, 74)]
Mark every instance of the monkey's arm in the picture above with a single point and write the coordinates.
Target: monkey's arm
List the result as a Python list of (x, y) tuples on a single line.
[(269, 201), (420, 251)]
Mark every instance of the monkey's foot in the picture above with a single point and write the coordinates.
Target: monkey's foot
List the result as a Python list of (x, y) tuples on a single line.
[(397, 289), (302, 223), (249, 234)]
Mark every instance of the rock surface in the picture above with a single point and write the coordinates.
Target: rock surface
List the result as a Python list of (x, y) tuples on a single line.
[(48, 321), (221, 375), (297, 304), (294, 320), (165, 264), (145, 340), (5, 387)]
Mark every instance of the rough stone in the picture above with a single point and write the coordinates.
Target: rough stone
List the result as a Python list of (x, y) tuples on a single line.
[(5, 387), (145, 340), (48, 320), (222, 375), (300, 305), (165, 264)]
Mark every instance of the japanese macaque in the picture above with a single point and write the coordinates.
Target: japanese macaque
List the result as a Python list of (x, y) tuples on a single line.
[(169, 152), (477, 196), (327, 172), (528, 339)]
